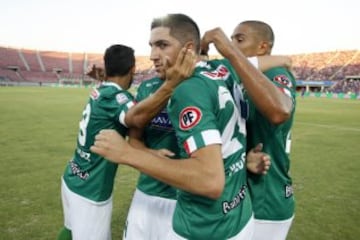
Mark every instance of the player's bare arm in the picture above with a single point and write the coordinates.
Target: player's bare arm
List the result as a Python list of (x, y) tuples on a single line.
[(194, 174), (257, 161), (139, 115), (267, 62), (136, 140), (275, 105)]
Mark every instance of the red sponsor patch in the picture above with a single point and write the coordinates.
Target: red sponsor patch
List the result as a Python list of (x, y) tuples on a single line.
[(220, 73), (189, 117), (283, 79)]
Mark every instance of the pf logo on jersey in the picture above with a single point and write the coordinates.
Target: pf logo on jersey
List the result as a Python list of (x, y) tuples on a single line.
[(283, 79), (189, 117)]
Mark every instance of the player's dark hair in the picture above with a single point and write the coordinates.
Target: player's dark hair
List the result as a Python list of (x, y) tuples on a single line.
[(182, 27), (263, 29), (118, 60)]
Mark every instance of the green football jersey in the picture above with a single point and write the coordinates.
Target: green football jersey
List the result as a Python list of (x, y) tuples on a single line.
[(158, 134), (87, 173), (272, 194), (203, 113)]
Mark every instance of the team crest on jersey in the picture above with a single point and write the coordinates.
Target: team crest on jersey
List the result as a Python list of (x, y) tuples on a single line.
[(221, 72), (189, 117), (94, 94), (283, 79), (121, 98)]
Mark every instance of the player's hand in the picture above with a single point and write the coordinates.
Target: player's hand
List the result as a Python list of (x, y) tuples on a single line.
[(97, 73), (183, 67), (257, 161), (165, 153), (111, 145), (221, 42)]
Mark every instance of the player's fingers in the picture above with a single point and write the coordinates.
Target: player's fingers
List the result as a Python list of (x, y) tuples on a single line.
[(204, 43), (258, 147), (182, 55), (166, 62), (266, 162), (189, 61), (167, 152), (100, 136), (98, 150)]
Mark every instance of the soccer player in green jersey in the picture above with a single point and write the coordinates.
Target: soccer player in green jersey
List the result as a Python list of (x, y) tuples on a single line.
[(213, 200), (272, 194), (88, 179), (153, 202)]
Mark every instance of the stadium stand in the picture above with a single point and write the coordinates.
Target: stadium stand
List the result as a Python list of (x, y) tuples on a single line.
[(55, 61), (31, 58), (77, 63), (327, 65), (323, 71), (10, 58)]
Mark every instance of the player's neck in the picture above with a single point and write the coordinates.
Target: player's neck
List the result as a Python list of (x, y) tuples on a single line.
[(123, 82)]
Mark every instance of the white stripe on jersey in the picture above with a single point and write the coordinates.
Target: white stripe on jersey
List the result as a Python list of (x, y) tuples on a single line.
[(122, 118), (130, 104), (287, 92), (123, 113), (209, 137)]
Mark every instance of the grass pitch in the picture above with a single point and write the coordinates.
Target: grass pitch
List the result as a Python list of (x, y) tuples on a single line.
[(38, 129)]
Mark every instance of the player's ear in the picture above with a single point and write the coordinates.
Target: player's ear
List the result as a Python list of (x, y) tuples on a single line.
[(263, 48), (190, 45)]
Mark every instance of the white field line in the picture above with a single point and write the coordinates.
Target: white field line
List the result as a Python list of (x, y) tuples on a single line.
[(335, 127)]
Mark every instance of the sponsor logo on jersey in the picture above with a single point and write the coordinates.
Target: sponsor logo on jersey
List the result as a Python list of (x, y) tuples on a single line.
[(94, 94), (237, 166), (235, 202), (76, 170), (221, 73), (283, 80), (189, 117), (83, 154), (289, 191), (162, 121), (121, 98), (150, 84)]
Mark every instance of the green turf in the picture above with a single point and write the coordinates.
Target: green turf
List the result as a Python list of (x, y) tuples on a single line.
[(38, 127)]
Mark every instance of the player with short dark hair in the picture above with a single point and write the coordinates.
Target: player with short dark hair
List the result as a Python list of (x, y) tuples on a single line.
[(88, 179), (154, 200), (272, 194)]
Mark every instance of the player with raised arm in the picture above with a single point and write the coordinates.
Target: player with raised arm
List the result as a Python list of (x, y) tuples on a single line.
[(211, 178), (272, 195)]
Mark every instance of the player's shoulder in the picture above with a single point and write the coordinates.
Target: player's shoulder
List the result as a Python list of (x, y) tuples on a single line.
[(109, 90), (281, 75), (276, 71), (212, 70), (207, 74), (150, 83)]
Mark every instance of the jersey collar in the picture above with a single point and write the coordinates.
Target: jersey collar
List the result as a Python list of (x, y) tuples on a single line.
[(111, 84)]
